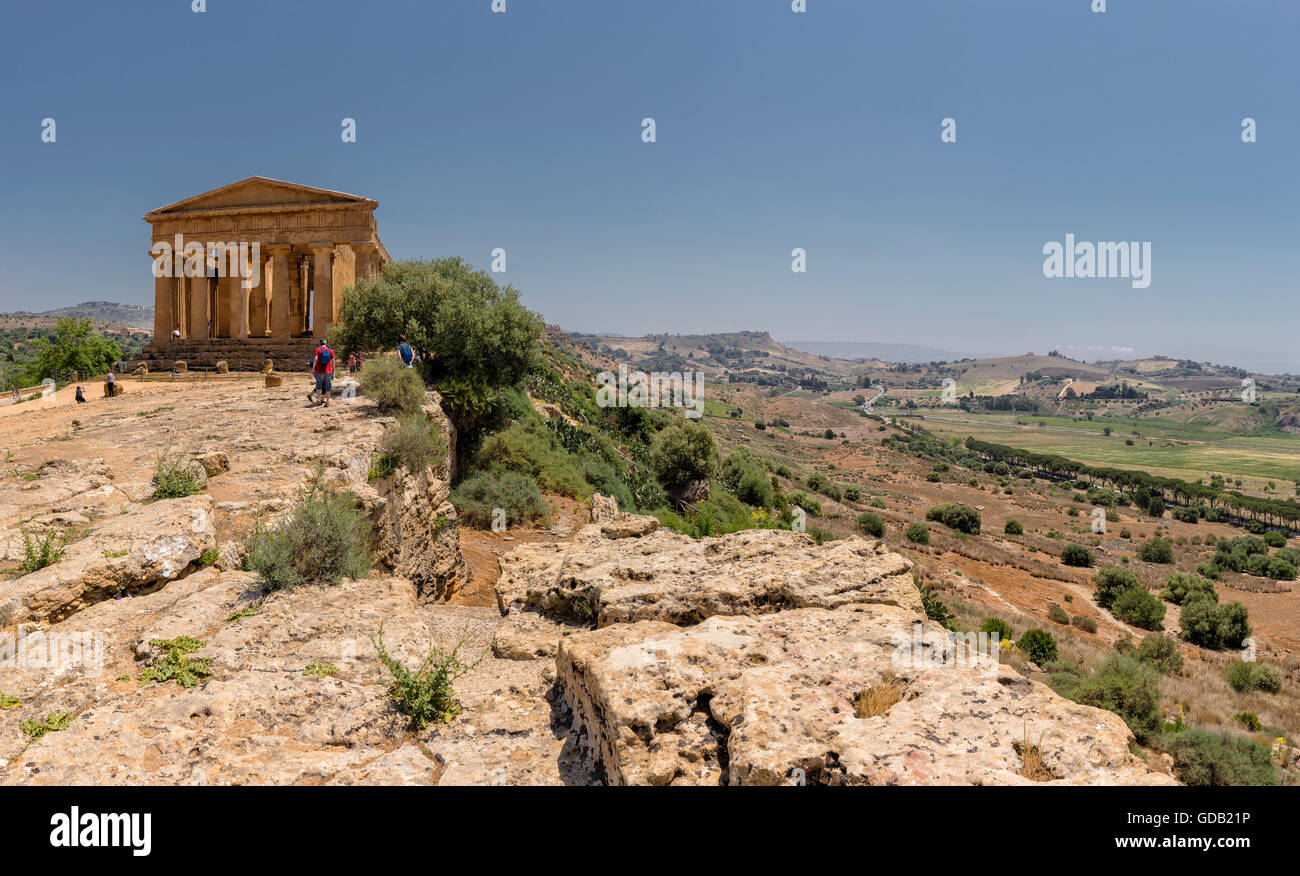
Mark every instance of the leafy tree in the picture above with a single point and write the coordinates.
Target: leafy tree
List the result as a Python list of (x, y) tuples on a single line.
[(75, 347), (472, 328), (1157, 550), (682, 453), (1138, 607), (1211, 625), (1076, 555), (1111, 583)]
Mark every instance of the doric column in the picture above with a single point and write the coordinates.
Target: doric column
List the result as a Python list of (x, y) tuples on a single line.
[(367, 259), (239, 299), (162, 306), (199, 315), (322, 281), (281, 290)]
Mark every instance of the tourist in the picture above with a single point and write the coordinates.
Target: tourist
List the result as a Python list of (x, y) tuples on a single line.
[(81, 396), (404, 350), (353, 363), (322, 367), (176, 334)]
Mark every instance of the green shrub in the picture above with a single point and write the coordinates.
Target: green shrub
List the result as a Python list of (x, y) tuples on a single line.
[(1181, 588), (322, 540), (41, 551), (1039, 645), (1249, 720), (1203, 758), (1057, 614), (755, 489), (530, 449), (871, 524), (175, 476), (962, 518), (52, 723), (1110, 583), (1076, 555), (176, 662), (738, 463), (682, 453), (479, 495), (1161, 653), (935, 610), (427, 695), (999, 626), (917, 533), (1157, 550), (392, 385), (1274, 539), (1138, 607), (1245, 676), (1083, 622), (852, 493), (1013, 527), (810, 504), (415, 442), (817, 482), (1128, 688), (1211, 625)]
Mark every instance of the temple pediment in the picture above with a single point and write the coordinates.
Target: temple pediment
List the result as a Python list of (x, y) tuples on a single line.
[(257, 193)]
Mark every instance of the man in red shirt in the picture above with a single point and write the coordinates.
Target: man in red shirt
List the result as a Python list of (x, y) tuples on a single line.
[(322, 368)]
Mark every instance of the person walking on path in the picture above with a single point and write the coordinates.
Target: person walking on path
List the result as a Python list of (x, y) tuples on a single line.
[(322, 368)]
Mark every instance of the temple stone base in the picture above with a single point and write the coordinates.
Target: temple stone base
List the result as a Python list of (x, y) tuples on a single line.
[(239, 354)]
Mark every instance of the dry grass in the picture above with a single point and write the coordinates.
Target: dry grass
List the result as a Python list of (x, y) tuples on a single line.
[(1031, 758), (880, 697)]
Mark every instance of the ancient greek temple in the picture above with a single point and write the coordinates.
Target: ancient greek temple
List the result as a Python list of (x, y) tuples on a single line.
[(257, 259)]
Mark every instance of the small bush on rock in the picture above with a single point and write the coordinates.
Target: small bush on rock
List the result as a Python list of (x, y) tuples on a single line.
[(427, 695), (392, 385), (322, 540), (479, 495)]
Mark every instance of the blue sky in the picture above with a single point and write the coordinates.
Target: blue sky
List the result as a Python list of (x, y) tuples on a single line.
[(775, 130)]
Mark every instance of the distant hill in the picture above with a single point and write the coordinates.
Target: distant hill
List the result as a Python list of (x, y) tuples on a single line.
[(133, 315), (754, 353), (871, 350)]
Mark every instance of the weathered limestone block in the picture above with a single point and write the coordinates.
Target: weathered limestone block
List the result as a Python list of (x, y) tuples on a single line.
[(273, 380), (223, 367), (156, 543), (415, 524), (214, 463), (180, 367), (607, 574), (603, 509), (770, 700)]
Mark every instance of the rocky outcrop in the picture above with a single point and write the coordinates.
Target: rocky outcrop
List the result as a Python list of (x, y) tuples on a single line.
[(771, 700), (259, 718), (629, 570), (151, 545), (415, 524)]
